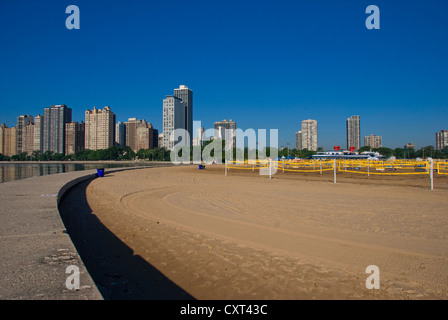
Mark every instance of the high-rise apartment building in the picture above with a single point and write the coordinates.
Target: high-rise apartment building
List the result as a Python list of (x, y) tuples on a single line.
[(55, 118), (299, 140), (226, 130), (173, 118), (8, 140), (131, 132), (28, 139), (74, 137), (99, 128), (186, 95), (38, 133), (22, 122), (309, 134), (147, 137), (120, 134), (354, 132), (373, 141), (441, 140)]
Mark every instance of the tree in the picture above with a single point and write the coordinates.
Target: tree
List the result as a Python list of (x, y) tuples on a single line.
[(4, 158), (365, 148)]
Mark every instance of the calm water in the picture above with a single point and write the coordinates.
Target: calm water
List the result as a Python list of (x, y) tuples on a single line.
[(14, 171)]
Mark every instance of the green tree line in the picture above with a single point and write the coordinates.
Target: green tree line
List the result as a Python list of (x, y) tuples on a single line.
[(117, 153)]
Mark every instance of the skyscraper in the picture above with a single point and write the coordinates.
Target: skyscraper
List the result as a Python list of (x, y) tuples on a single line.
[(299, 140), (22, 122), (120, 134), (131, 132), (173, 118), (147, 137), (54, 122), (8, 140), (74, 137), (373, 141), (309, 134), (99, 128), (38, 133), (441, 140), (226, 130), (186, 95), (28, 139), (353, 132)]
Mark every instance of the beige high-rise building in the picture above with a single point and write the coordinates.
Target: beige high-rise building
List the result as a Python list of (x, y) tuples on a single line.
[(74, 137), (353, 132), (131, 132), (38, 133), (8, 140), (373, 141), (308, 135), (28, 139), (99, 129), (146, 136)]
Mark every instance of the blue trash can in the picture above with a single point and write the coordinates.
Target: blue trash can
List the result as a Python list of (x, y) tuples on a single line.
[(100, 172)]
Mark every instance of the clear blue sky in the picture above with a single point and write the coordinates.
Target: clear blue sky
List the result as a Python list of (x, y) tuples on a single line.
[(264, 64)]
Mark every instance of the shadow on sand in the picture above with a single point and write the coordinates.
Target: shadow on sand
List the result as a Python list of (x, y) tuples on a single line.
[(116, 271)]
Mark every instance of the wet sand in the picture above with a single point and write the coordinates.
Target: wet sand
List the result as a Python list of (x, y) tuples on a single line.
[(296, 236)]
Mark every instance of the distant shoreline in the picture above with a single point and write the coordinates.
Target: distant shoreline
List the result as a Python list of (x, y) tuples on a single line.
[(82, 162)]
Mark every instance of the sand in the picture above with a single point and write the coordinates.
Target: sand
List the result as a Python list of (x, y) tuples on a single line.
[(296, 236)]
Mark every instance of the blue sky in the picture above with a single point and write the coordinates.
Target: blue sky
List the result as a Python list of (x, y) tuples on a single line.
[(264, 64)]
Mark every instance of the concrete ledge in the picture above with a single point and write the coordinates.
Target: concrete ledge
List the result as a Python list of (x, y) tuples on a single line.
[(35, 250)]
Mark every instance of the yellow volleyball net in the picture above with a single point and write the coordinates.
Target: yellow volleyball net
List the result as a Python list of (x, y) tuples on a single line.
[(299, 165), (305, 166), (393, 167), (442, 167)]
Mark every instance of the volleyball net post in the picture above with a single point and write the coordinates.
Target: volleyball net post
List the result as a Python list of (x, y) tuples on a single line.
[(334, 170)]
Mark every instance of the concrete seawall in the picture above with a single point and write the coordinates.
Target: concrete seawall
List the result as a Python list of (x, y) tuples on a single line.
[(35, 249)]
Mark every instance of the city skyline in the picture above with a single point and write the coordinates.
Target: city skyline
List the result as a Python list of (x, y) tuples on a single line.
[(319, 53)]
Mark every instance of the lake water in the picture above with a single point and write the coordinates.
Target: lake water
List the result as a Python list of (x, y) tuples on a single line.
[(14, 171)]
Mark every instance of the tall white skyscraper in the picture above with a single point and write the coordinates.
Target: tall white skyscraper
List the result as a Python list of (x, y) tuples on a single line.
[(173, 118), (307, 136), (354, 132)]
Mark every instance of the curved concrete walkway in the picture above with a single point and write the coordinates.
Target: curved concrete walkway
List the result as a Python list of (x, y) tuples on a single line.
[(35, 249)]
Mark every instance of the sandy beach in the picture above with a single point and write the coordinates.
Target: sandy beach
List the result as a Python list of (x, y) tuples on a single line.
[(296, 236)]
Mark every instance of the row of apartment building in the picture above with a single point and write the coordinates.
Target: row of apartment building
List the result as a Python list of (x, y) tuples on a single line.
[(55, 131), (307, 137)]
